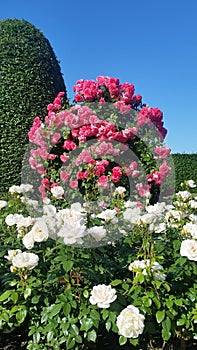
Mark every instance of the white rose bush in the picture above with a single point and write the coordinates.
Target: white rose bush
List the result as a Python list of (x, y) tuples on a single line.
[(85, 262)]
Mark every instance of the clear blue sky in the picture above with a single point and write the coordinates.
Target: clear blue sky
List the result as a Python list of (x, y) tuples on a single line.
[(151, 44)]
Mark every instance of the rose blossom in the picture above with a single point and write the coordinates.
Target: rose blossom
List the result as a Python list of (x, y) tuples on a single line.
[(130, 322), (189, 249), (108, 215), (97, 232), (39, 231), (3, 204), (184, 195), (25, 260), (191, 229), (13, 219), (162, 152), (191, 183), (103, 181), (102, 295), (119, 190), (73, 184), (28, 240), (142, 265), (57, 191), (12, 253)]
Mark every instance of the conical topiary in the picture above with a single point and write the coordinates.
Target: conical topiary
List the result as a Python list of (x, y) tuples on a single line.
[(30, 78)]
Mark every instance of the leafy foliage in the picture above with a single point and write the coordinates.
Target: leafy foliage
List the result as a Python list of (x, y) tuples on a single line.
[(53, 299), (185, 168), (30, 78)]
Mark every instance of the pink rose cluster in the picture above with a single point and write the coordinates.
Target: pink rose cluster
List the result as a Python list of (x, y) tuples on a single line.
[(63, 139), (106, 89)]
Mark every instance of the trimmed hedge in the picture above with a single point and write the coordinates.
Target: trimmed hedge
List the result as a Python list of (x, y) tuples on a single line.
[(185, 168), (30, 78)]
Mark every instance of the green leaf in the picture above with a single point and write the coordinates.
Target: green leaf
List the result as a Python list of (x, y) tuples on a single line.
[(4, 316), (35, 299), (108, 325), (92, 336), (95, 315), (75, 329), (181, 322), (36, 337), (67, 265), (122, 340), (5, 295), (116, 283), (70, 343), (166, 324), (27, 293), (178, 302), (14, 296), (86, 324), (134, 342), (105, 314), (54, 310), (66, 308), (160, 316), (50, 336), (20, 315)]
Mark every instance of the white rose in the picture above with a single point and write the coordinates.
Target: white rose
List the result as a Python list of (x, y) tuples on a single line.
[(72, 233), (193, 204), (12, 219), (25, 221), (57, 191), (191, 183), (142, 265), (160, 227), (12, 253), (132, 215), (3, 204), (184, 195), (119, 190), (190, 228), (174, 214), (131, 204), (130, 322), (70, 215), (49, 210), (28, 240), (26, 188), (147, 218), (15, 189), (102, 295), (97, 232), (25, 260), (108, 215), (189, 249), (40, 231), (157, 208)]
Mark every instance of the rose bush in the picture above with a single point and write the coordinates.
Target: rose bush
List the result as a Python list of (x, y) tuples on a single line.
[(104, 253), (140, 288)]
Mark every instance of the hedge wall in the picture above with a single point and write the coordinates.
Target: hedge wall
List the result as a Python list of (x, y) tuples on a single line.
[(185, 168), (30, 78)]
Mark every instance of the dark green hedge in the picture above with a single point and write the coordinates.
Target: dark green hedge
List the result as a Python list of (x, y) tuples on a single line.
[(30, 78), (185, 168)]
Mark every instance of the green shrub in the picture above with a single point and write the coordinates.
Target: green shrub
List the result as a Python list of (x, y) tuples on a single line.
[(185, 168), (30, 78)]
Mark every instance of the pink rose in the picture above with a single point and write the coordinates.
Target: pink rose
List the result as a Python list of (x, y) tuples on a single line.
[(73, 184), (69, 145), (103, 181), (162, 152), (116, 174), (64, 176)]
